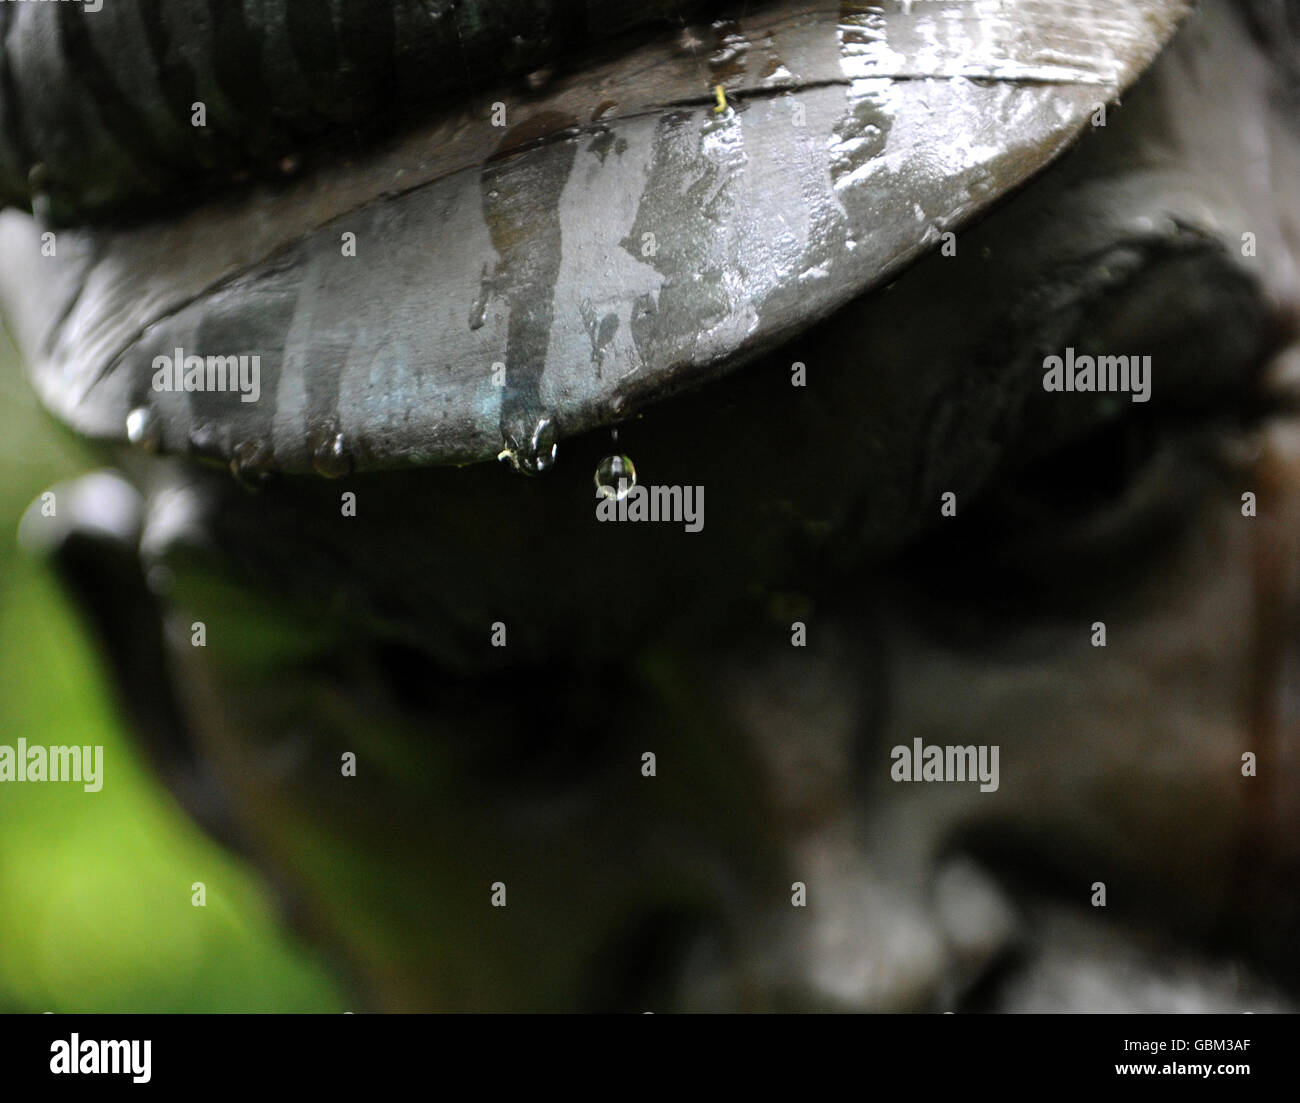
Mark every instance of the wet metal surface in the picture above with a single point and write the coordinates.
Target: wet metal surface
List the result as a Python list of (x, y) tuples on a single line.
[(618, 240)]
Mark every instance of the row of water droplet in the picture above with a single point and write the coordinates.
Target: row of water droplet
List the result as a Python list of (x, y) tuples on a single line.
[(253, 462)]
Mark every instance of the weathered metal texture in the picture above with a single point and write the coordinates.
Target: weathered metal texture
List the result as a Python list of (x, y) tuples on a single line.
[(96, 99), (855, 137)]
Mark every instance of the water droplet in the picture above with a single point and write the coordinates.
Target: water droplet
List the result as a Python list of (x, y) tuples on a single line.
[(144, 428), (539, 455), (253, 464), (329, 452), (615, 477), (543, 447)]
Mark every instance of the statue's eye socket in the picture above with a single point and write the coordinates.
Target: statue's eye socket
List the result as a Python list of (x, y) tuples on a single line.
[(1100, 507), (1107, 472), (1096, 488)]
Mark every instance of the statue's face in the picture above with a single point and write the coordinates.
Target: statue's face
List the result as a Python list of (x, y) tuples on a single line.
[(1106, 620), (773, 765), (508, 751)]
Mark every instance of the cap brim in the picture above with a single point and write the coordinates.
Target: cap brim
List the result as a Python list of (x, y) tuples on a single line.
[(619, 239)]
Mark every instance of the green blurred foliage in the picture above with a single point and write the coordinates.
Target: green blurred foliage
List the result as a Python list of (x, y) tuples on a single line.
[(95, 911)]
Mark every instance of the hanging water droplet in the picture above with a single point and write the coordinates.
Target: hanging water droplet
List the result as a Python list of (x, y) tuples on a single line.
[(144, 428), (253, 464), (329, 452), (615, 477), (543, 447), (538, 456)]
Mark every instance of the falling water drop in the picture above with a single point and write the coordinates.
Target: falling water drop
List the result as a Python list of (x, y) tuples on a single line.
[(615, 477), (144, 428)]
